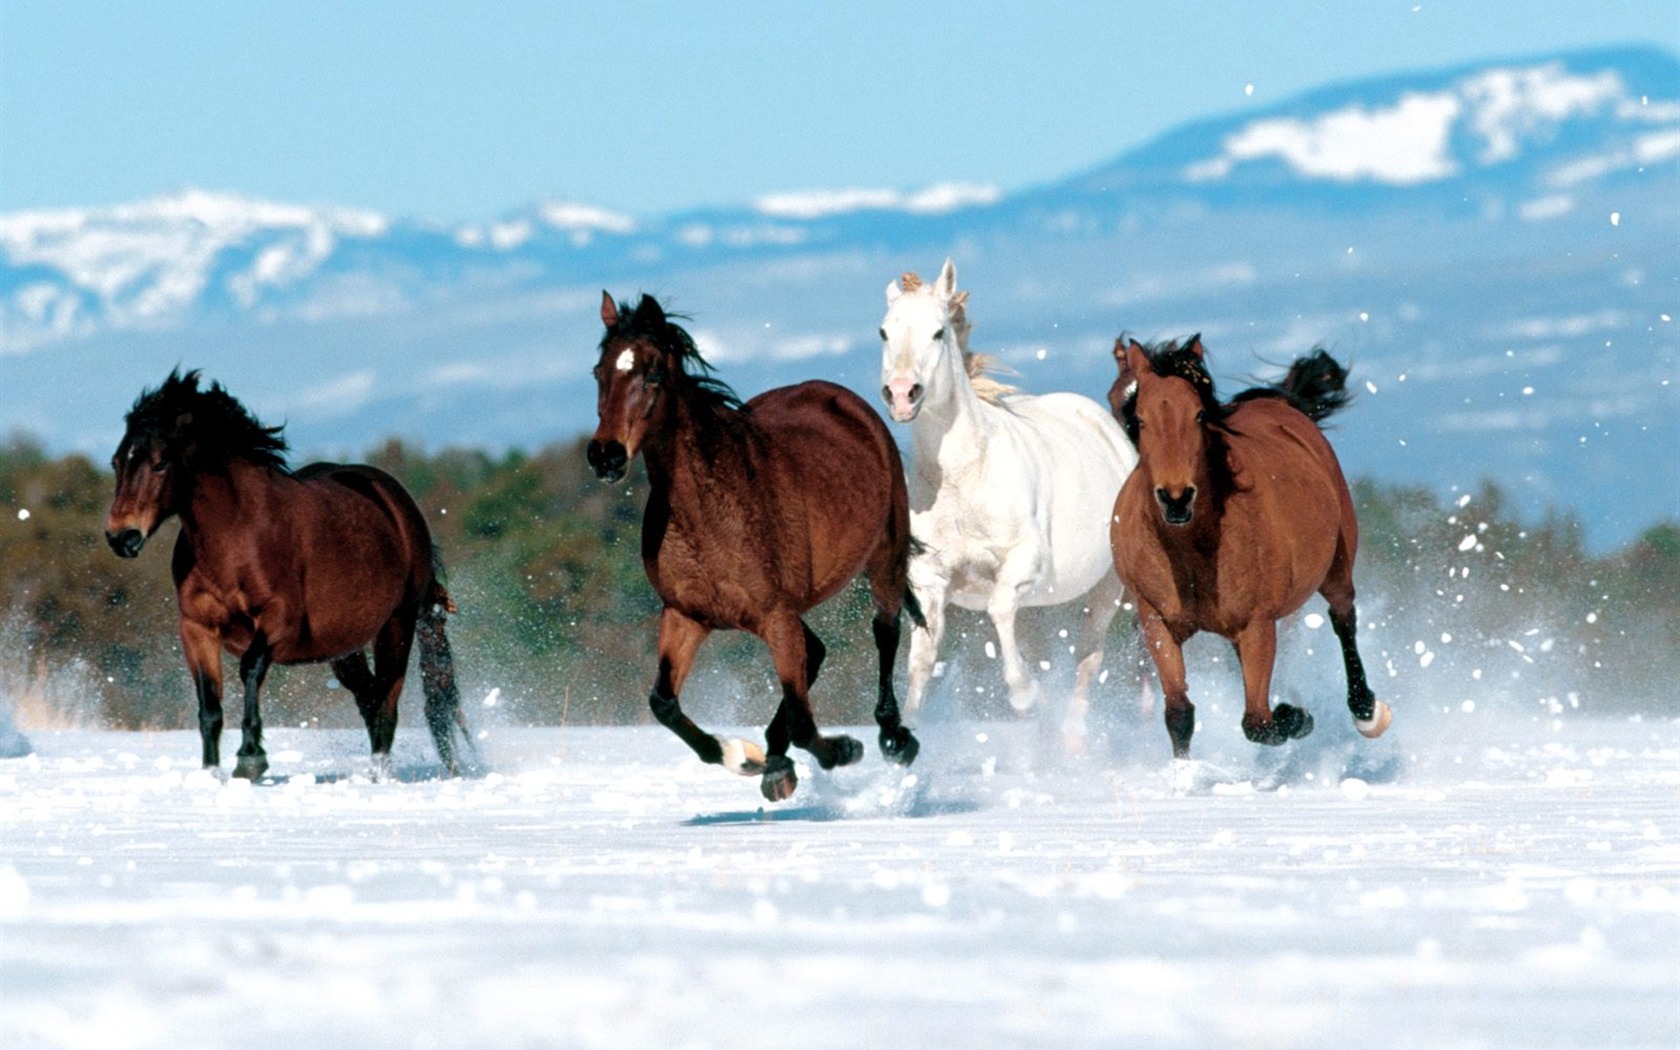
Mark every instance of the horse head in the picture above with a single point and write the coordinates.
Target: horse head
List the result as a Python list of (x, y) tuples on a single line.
[(923, 323), (1165, 397), (630, 380), (172, 432)]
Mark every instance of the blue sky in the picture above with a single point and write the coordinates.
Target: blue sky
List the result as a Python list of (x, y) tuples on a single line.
[(456, 111)]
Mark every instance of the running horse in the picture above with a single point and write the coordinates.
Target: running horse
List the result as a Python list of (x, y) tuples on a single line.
[(1009, 492), (756, 513), (285, 566), (1236, 515)]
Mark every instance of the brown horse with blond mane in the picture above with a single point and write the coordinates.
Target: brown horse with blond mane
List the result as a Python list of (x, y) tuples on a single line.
[(1237, 513), (756, 513), (285, 566)]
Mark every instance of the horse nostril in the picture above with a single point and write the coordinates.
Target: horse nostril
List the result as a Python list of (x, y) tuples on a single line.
[(916, 392), (886, 394), (1176, 509), (608, 459), (127, 543)]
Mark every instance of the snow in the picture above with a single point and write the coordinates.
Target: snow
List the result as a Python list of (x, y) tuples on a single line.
[(1469, 880), (936, 199)]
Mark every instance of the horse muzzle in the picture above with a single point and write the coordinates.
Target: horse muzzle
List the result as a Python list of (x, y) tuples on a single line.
[(1176, 509), (609, 459), (903, 398), (126, 542)]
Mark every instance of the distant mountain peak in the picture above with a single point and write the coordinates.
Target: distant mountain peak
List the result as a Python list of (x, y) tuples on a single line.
[(1480, 119)]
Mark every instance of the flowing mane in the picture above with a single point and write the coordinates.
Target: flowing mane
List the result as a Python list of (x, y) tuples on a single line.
[(655, 325), (212, 421), (981, 368), (1185, 362)]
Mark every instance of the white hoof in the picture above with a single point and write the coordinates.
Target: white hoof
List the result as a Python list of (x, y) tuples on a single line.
[(1378, 723), (742, 757), (1024, 700)]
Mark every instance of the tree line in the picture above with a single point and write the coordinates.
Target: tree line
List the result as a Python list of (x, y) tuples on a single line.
[(557, 623)]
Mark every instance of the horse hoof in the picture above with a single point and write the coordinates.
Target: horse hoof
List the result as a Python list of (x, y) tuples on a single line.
[(900, 746), (1025, 699), (779, 779), (841, 750), (1377, 724), (250, 767), (1287, 723), (742, 757)]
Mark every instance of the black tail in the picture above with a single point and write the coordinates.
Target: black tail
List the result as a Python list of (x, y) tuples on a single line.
[(437, 674), (1317, 385)]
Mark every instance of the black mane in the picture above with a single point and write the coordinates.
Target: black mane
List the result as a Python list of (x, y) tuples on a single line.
[(207, 426), (648, 320)]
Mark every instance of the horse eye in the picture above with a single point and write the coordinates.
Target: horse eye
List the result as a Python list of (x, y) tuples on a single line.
[(160, 466), (939, 335), (883, 335), (1201, 416)]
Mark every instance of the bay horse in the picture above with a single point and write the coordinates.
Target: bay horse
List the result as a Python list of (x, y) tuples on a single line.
[(1009, 493), (756, 513), (1238, 512), (285, 566)]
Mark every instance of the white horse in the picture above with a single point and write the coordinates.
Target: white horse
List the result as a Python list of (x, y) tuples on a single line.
[(1010, 494)]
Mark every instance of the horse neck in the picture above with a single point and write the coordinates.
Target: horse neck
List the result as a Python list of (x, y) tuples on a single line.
[(231, 493), (692, 456), (958, 425)]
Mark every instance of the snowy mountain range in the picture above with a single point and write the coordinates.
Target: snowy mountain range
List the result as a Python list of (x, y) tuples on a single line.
[(1497, 249)]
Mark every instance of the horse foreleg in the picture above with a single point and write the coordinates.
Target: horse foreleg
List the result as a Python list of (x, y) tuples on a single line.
[(203, 651), (679, 639), (1257, 652), (1023, 689), (253, 668), (1167, 650), (924, 644), (794, 721)]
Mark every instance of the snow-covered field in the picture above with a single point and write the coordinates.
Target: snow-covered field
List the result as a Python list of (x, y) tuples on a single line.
[(1468, 881)]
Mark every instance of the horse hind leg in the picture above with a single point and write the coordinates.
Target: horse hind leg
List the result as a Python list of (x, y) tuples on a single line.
[(1101, 604), (1370, 715), (888, 590), (390, 669)]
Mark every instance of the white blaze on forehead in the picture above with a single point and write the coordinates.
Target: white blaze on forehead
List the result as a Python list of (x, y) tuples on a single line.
[(626, 361)]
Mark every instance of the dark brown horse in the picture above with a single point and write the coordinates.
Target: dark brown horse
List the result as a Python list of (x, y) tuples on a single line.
[(1236, 514), (282, 566), (756, 513)]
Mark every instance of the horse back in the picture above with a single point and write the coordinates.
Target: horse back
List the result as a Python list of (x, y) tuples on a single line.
[(814, 485), (1290, 490), (317, 560)]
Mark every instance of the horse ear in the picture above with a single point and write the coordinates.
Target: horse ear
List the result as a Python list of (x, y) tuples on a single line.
[(649, 311), (946, 285), (1195, 345), (1123, 346), (609, 309), (1136, 362), (893, 292)]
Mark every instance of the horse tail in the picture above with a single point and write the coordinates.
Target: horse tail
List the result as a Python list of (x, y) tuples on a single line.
[(1317, 385), (437, 671)]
